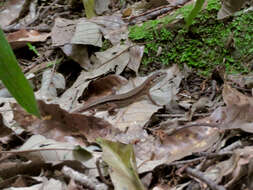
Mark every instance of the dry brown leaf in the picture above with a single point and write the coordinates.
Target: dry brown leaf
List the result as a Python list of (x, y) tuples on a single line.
[(60, 125), (20, 38), (103, 87), (238, 113), (5, 134), (10, 169)]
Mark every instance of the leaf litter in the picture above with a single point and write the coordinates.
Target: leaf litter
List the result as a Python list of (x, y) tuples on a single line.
[(196, 123)]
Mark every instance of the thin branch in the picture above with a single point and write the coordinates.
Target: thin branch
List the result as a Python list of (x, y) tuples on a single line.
[(201, 176)]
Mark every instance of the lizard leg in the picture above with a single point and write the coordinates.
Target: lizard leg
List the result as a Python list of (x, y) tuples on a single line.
[(111, 108)]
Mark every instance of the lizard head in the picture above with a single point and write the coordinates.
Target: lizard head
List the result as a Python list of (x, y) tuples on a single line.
[(157, 77)]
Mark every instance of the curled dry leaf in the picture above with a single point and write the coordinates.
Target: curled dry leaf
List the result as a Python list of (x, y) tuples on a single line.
[(79, 54), (103, 87), (233, 168), (238, 113), (136, 54)]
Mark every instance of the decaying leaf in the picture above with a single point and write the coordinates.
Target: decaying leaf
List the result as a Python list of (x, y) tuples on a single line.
[(238, 113), (54, 151), (60, 125)]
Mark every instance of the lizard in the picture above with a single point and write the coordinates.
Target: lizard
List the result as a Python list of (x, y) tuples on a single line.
[(127, 98)]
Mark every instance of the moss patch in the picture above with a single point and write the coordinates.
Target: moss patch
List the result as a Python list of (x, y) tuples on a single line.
[(206, 44)]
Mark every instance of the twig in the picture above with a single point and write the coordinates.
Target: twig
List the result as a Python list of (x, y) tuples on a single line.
[(201, 176), (91, 183), (40, 28), (35, 150), (101, 175), (155, 12)]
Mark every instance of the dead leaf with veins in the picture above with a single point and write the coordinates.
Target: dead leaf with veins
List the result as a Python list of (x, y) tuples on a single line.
[(60, 125)]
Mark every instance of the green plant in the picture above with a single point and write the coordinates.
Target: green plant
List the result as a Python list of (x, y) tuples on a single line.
[(33, 48), (203, 45), (197, 7), (14, 80)]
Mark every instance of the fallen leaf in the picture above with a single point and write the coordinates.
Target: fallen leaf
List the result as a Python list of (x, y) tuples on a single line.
[(101, 6), (20, 38), (113, 28), (54, 151), (238, 113), (79, 53), (63, 31), (87, 33), (60, 125), (51, 81), (6, 132), (12, 10), (121, 159), (136, 54), (103, 87)]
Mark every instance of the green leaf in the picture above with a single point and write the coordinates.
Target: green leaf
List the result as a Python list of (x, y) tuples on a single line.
[(194, 12), (121, 159), (13, 78), (89, 6)]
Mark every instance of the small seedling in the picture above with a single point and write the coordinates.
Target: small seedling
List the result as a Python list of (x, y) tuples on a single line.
[(33, 48)]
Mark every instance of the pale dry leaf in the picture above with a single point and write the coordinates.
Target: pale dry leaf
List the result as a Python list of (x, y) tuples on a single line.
[(79, 53), (229, 7), (113, 59), (136, 54), (101, 6), (87, 33), (165, 91), (12, 10), (168, 148), (59, 151), (51, 81), (63, 31), (68, 99), (113, 28)]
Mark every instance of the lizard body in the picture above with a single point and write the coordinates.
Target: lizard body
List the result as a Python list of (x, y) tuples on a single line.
[(127, 98)]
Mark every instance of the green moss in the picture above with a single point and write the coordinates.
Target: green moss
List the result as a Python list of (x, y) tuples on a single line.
[(203, 46), (106, 45)]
